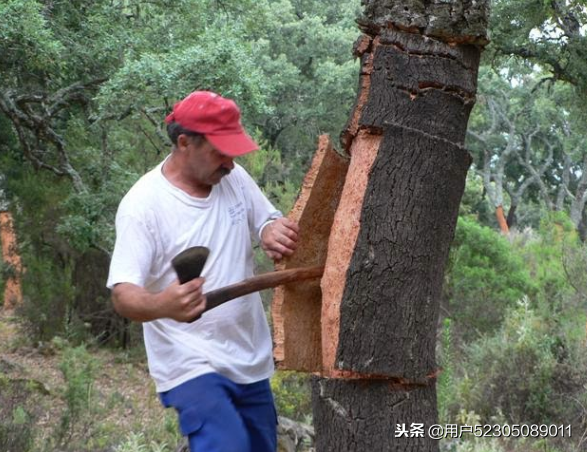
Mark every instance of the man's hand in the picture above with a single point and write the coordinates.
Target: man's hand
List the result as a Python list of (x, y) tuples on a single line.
[(178, 302), (184, 302), (280, 238)]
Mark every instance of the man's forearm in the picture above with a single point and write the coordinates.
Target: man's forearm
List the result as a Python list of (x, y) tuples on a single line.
[(136, 303)]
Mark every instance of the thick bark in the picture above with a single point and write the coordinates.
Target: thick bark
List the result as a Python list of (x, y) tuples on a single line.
[(364, 416), (393, 227), (393, 280)]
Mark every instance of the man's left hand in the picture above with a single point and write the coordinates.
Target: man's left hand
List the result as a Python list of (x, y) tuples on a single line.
[(280, 238)]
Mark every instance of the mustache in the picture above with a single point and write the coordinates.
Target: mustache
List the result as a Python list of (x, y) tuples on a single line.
[(224, 171)]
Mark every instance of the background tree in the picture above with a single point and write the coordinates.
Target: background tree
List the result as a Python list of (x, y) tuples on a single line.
[(524, 149), (87, 88), (548, 33)]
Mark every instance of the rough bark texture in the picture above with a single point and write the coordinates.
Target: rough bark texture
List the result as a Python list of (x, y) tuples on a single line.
[(450, 20), (390, 304), (347, 408), (341, 244), (406, 133), (420, 94)]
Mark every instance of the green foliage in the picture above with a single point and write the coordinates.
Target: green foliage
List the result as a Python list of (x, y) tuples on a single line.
[(473, 202), (537, 32), (150, 78), (306, 56), (485, 276), (266, 167), (18, 414), (525, 135), (292, 395), (289, 65), (79, 370), (16, 431), (544, 259), (6, 271), (446, 380), (526, 372), (136, 442), (27, 38), (48, 297)]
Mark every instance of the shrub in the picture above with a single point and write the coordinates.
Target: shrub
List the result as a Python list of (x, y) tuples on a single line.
[(545, 260), (485, 276), (79, 370), (16, 421), (292, 395), (525, 373), (47, 294)]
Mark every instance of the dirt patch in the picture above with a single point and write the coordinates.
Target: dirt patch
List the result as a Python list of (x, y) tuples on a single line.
[(123, 398)]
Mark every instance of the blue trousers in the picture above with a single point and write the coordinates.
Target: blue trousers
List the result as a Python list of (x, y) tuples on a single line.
[(218, 415)]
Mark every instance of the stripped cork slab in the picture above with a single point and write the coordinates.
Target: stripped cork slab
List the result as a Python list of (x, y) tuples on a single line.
[(297, 307)]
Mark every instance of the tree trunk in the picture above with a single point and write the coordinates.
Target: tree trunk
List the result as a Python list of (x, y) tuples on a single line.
[(501, 220), (511, 219), (11, 262), (393, 226)]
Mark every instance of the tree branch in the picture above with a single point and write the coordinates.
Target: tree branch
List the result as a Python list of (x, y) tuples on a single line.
[(33, 115)]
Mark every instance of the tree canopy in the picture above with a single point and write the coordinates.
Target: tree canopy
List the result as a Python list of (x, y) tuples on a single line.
[(86, 86)]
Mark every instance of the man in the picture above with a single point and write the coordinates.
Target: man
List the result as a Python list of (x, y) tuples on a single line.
[(214, 371)]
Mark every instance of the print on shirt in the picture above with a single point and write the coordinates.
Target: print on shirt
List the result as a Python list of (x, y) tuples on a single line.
[(237, 213)]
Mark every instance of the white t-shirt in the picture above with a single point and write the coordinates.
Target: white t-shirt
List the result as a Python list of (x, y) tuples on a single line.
[(155, 221)]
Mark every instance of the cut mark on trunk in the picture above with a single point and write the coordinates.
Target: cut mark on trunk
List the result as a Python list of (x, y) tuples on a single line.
[(362, 45), (394, 383), (365, 84), (341, 244)]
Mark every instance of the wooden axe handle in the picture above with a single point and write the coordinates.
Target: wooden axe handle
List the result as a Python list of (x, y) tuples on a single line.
[(260, 282)]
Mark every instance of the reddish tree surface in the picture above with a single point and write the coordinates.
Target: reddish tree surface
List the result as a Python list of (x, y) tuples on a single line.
[(11, 261)]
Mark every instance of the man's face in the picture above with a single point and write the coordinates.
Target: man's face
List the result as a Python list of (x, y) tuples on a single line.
[(206, 166)]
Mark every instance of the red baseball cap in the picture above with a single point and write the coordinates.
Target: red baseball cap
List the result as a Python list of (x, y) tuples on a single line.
[(215, 117)]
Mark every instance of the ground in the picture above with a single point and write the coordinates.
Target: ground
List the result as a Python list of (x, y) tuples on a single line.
[(106, 400), (60, 397)]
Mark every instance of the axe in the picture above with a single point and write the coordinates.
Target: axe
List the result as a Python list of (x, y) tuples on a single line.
[(189, 264)]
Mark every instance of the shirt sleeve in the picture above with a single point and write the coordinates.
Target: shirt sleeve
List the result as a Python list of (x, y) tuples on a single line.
[(134, 252), (260, 211)]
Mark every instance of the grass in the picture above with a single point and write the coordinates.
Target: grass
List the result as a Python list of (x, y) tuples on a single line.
[(71, 398)]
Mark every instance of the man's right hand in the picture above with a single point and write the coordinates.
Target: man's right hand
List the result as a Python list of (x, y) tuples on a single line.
[(184, 302), (180, 302)]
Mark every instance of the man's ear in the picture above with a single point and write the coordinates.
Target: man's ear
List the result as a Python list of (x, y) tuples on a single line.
[(182, 142)]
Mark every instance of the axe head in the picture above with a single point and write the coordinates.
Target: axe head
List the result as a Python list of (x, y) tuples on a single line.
[(189, 263)]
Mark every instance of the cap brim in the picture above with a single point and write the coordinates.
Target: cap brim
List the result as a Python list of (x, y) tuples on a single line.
[(233, 145)]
